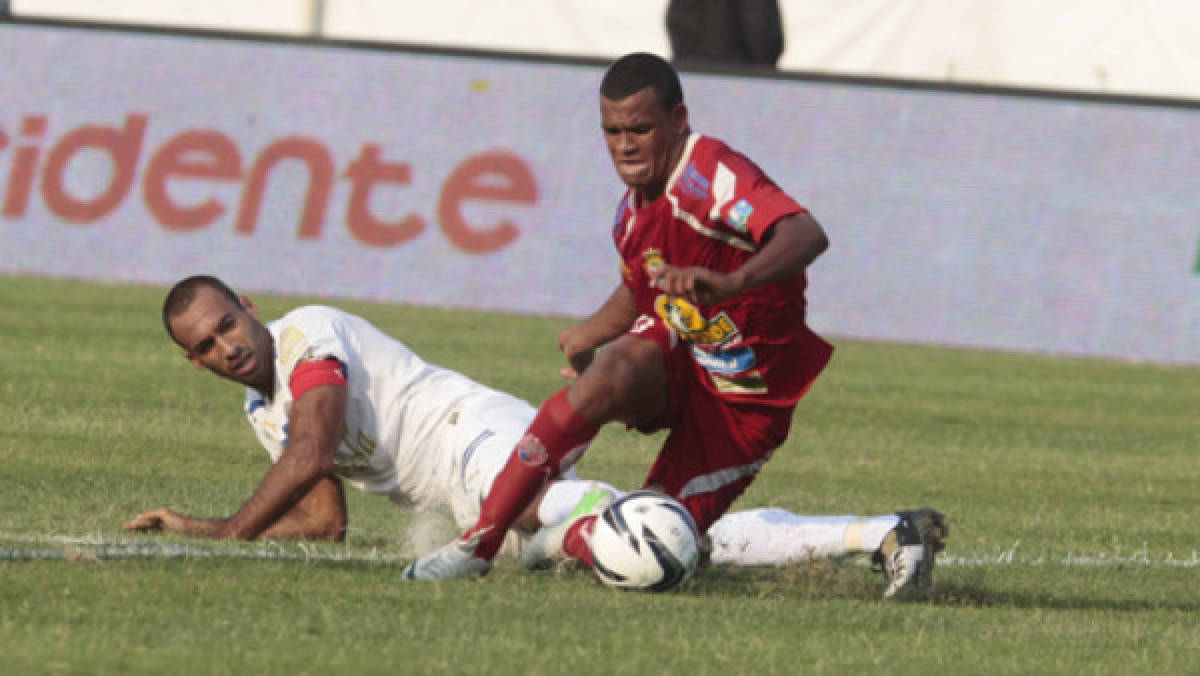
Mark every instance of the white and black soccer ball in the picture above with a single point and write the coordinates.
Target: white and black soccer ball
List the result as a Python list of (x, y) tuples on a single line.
[(645, 541)]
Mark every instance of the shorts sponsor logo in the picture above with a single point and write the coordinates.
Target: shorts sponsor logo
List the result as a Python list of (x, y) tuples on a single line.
[(642, 324), (532, 451)]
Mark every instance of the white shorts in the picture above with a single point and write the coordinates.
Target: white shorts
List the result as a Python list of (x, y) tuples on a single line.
[(489, 432)]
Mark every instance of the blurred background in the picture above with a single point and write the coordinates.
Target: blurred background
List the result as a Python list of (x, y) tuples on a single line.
[(1143, 47), (1003, 174)]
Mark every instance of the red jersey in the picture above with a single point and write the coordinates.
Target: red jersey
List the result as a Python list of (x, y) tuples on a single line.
[(713, 213)]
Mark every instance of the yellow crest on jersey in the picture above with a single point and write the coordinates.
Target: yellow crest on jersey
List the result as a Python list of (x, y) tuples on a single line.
[(692, 326), (652, 260)]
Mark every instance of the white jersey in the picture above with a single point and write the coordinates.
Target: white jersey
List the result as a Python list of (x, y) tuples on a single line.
[(423, 435)]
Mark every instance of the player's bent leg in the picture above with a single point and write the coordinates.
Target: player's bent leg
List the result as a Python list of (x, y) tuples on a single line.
[(627, 382), (634, 378), (908, 553), (773, 536), (553, 441)]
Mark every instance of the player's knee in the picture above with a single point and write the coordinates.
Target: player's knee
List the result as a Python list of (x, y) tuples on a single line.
[(625, 378)]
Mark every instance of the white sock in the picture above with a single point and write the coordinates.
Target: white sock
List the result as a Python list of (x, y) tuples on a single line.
[(772, 536), (563, 495)]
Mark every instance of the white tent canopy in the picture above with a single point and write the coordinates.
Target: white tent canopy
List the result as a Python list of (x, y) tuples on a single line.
[(1140, 47)]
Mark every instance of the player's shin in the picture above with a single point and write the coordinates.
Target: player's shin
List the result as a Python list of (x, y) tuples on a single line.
[(555, 440)]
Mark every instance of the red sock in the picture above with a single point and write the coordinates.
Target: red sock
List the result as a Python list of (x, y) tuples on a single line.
[(577, 542), (556, 432)]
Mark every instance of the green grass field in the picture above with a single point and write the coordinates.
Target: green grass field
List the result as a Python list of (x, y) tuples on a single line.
[(1070, 486)]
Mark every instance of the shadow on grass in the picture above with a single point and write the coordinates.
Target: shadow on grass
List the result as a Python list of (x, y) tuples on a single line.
[(829, 581), (977, 596)]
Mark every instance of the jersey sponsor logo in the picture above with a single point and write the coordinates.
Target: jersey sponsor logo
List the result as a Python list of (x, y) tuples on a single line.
[(739, 214), (714, 345), (693, 183), (734, 360), (693, 326), (359, 449), (532, 451)]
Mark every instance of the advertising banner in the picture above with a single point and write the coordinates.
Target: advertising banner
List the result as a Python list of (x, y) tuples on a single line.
[(955, 218)]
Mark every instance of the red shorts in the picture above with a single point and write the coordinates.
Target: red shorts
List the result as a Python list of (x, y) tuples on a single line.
[(715, 447)]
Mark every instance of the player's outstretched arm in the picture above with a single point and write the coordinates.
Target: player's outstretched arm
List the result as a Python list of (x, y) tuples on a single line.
[(791, 244), (319, 515), (579, 342), (299, 496)]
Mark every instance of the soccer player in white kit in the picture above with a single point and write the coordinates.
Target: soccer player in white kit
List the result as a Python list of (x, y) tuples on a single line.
[(333, 399)]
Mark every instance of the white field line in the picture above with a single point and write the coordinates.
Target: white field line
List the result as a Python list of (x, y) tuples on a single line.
[(75, 547)]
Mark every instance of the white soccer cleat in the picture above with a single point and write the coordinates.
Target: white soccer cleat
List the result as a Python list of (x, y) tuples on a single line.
[(545, 548), (909, 551), (450, 561)]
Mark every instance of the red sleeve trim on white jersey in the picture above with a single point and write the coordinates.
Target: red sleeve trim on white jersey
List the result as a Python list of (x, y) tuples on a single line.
[(310, 374)]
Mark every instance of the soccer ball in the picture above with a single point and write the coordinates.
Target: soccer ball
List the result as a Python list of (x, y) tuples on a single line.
[(645, 541)]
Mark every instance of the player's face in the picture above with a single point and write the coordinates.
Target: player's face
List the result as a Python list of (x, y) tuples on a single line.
[(645, 140), (225, 337)]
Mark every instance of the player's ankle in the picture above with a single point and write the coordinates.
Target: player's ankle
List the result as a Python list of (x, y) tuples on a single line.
[(485, 538)]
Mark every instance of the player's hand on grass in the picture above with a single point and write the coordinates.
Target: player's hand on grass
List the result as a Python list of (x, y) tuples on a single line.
[(156, 520), (698, 286)]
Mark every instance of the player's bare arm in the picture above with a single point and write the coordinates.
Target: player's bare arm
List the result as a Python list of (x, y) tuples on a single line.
[(316, 424), (579, 342), (790, 245), (319, 515)]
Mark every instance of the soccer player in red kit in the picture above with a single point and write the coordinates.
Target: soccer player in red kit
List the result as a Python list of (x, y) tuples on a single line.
[(704, 336)]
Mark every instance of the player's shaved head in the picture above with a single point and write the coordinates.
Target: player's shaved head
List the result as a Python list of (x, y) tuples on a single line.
[(632, 73), (180, 297)]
